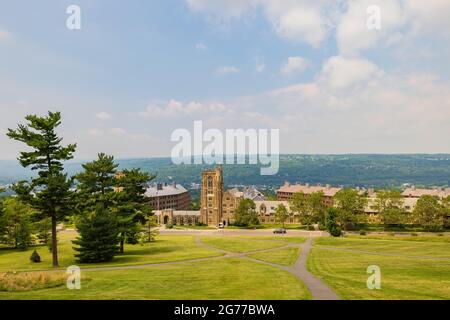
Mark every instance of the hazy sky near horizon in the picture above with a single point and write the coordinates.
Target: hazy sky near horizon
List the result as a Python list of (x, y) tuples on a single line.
[(138, 70)]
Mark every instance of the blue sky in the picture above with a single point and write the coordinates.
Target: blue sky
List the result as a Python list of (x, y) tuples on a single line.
[(138, 70)]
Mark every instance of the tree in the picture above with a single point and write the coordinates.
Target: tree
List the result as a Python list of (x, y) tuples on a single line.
[(430, 213), (148, 233), (99, 237), (389, 204), (96, 183), (282, 214), (446, 203), (350, 207), (43, 230), (331, 224), (301, 205), (245, 214), (49, 193), (318, 207), (15, 222), (131, 205)]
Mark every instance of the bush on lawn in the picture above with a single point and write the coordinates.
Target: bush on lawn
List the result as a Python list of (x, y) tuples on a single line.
[(35, 257)]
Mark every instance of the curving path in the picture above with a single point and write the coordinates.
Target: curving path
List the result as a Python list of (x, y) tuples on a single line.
[(318, 289)]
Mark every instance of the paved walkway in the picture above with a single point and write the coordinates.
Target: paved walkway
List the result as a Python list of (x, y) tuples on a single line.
[(318, 289)]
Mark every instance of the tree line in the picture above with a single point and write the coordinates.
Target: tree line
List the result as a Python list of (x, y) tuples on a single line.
[(349, 211), (108, 209)]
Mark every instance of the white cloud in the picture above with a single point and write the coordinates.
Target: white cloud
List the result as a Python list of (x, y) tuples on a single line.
[(429, 16), (201, 46), (294, 65), (353, 35), (227, 70), (295, 20), (103, 115), (299, 21), (175, 108), (341, 73)]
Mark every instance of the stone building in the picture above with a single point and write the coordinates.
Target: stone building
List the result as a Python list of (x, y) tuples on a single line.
[(179, 217), (211, 197), (266, 211)]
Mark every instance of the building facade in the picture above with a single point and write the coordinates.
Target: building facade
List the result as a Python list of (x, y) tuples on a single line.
[(287, 191), (179, 217), (168, 196), (211, 197)]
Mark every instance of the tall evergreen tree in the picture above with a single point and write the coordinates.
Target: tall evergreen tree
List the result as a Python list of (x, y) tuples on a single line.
[(96, 183), (131, 205), (98, 237), (49, 192)]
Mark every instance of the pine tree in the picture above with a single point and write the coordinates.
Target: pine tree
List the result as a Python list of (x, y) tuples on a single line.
[(96, 183), (98, 240), (51, 188), (331, 224), (131, 205)]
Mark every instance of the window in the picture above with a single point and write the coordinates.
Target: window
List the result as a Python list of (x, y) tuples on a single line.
[(209, 182)]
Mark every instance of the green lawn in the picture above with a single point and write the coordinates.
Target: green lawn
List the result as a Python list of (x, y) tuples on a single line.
[(165, 248), (406, 276), (285, 257), (284, 238), (237, 244), (398, 247), (234, 279)]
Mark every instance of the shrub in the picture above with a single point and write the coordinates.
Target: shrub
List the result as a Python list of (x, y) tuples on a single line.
[(414, 234), (169, 226), (362, 232), (35, 257), (336, 231)]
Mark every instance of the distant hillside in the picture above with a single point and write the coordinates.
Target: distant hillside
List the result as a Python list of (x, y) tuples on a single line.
[(348, 170)]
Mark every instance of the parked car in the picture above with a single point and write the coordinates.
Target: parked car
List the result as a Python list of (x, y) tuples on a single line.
[(279, 230)]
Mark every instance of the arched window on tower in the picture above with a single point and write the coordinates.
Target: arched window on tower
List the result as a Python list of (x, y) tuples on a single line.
[(209, 182)]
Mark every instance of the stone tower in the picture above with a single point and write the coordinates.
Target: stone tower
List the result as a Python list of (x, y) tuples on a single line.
[(211, 197)]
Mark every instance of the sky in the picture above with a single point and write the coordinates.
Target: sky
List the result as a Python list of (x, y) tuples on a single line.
[(138, 70)]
